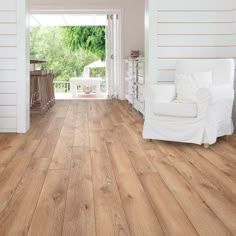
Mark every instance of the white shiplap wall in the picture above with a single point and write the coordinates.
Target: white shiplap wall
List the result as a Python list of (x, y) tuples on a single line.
[(8, 65), (189, 29), (14, 66), (234, 49)]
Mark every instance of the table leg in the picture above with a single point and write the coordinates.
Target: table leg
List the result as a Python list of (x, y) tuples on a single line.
[(73, 89), (98, 89)]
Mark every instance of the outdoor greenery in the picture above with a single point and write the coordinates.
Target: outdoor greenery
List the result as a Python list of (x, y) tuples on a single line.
[(52, 43), (90, 38)]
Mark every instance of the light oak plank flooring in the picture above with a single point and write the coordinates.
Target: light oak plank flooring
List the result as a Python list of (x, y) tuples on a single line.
[(84, 169)]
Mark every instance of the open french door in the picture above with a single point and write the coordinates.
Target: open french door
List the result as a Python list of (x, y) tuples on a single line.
[(113, 55)]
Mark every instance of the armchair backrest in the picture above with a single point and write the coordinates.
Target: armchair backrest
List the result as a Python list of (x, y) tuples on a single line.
[(222, 69)]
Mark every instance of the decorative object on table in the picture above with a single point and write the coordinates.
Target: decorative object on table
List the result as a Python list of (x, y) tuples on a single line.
[(87, 89), (86, 83), (134, 54)]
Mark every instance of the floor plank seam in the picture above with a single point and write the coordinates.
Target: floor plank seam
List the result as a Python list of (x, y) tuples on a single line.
[(43, 183), (149, 197), (36, 204), (94, 210), (186, 179), (68, 177), (126, 218), (137, 142), (91, 166), (120, 182), (204, 173), (211, 164), (21, 178)]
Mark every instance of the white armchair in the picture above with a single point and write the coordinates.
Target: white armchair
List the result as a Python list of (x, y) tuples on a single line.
[(200, 121)]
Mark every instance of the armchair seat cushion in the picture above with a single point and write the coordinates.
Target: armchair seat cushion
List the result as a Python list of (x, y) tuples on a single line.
[(176, 109)]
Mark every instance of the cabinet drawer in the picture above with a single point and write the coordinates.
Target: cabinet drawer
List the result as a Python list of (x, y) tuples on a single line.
[(140, 64), (141, 97), (141, 73), (140, 80), (140, 92)]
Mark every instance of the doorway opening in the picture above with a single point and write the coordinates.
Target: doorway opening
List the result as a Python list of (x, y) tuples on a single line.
[(82, 51)]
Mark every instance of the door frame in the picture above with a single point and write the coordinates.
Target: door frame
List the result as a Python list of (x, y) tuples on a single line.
[(113, 55), (23, 67), (119, 12)]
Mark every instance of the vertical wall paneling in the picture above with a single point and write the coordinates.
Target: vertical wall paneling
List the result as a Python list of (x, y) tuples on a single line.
[(234, 50), (192, 5), (8, 58), (192, 30), (13, 69), (187, 29), (8, 6), (150, 40)]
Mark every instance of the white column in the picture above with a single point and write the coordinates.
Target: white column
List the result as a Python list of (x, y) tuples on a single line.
[(23, 66), (151, 7), (98, 88), (73, 88)]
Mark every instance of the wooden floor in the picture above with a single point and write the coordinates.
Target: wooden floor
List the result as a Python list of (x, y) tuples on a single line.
[(84, 169)]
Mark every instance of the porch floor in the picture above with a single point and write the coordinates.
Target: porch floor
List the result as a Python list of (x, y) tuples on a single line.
[(68, 96), (84, 169)]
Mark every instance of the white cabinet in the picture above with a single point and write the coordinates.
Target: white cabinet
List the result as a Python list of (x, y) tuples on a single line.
[(134, 83)]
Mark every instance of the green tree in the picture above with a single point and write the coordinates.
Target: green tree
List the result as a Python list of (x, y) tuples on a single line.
[(90, 38), (48, 43)]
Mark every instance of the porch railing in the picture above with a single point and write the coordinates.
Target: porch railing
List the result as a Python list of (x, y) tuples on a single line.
[(64, 86), (61, 86)]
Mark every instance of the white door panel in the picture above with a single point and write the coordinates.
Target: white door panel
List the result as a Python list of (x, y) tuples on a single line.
[(113, 55)]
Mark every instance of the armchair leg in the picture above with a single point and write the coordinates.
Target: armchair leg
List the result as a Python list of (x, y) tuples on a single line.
[(226, 138), (206, 145)]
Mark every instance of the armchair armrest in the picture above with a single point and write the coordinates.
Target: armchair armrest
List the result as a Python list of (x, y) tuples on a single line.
[(217, 93), (203, 100), (160, 92), (207, 97), (222, 92)]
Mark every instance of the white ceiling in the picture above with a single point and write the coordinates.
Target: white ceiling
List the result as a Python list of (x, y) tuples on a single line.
[(67, 20)]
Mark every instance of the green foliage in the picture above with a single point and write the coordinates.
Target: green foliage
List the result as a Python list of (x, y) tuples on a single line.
[(98, 72), (49, 43), (89, 38)]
